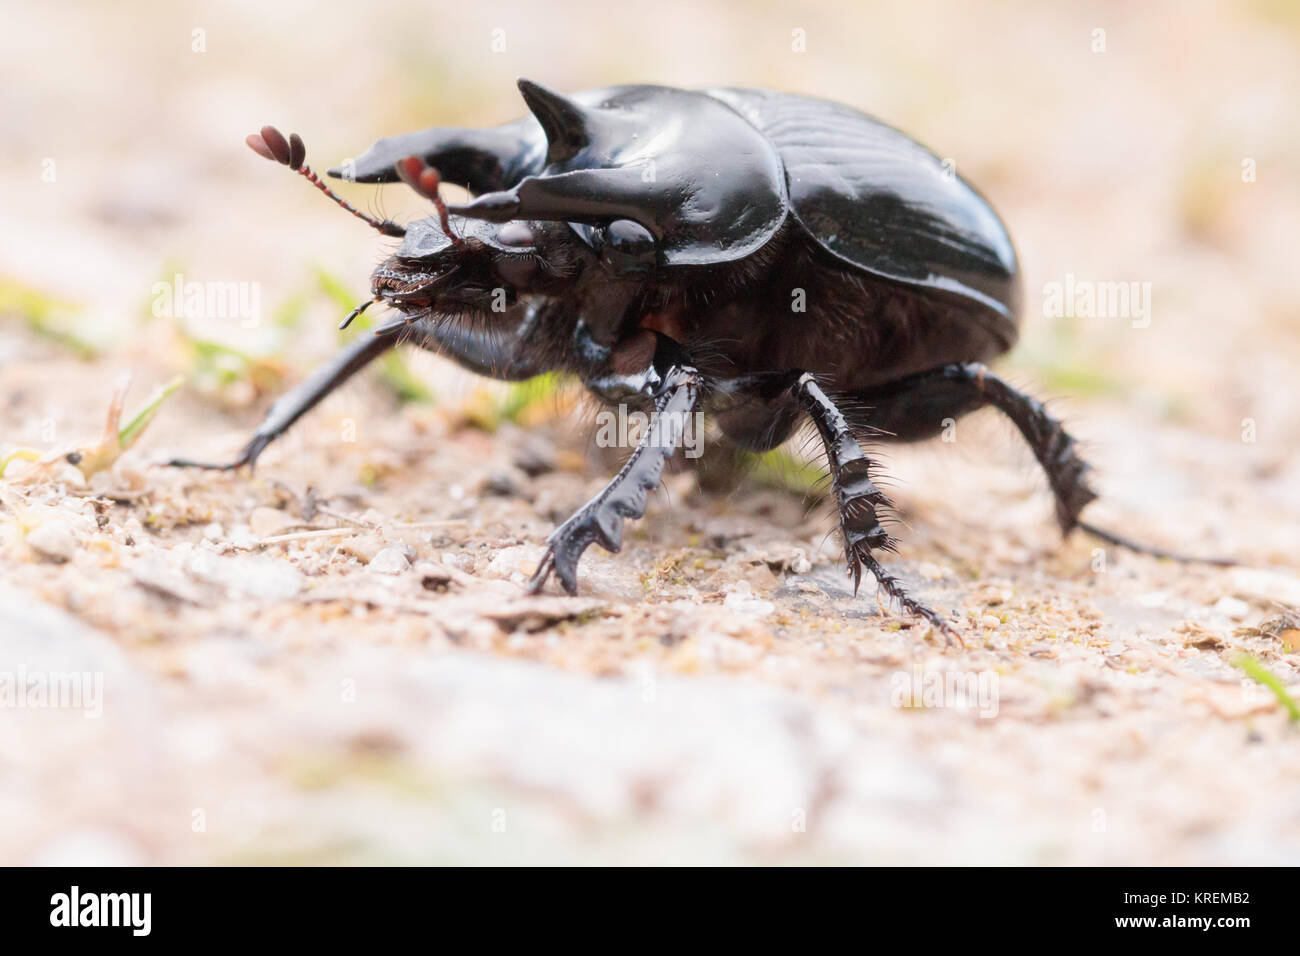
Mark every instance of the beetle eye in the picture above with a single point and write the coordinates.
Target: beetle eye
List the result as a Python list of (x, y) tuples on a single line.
[(627, 246), (518, 272), (515, 234)]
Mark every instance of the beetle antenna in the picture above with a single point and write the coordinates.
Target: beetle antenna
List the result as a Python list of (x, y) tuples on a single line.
[(271, 144), (425, 180)]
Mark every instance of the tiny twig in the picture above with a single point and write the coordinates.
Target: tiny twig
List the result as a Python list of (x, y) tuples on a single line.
[(340, 516), (307, 535)]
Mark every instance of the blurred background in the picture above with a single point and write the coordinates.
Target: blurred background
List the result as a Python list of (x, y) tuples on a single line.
[(1152, 143)]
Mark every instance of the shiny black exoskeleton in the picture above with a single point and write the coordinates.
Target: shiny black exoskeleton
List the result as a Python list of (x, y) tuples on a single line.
[(760, 256)]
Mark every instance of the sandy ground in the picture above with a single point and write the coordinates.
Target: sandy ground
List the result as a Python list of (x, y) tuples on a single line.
[(333, 661)]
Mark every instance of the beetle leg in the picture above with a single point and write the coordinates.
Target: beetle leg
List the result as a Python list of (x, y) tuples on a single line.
[(502, 356), (858, 500), (956, 389), (601, 519), (1052, 445), (1054, 449), (478, 351), (292, 405)]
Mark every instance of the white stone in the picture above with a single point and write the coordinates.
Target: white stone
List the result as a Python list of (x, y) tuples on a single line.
[(389, 561), (54, 539)]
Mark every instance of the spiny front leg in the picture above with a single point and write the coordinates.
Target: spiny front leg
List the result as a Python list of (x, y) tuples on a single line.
[(601, 519), (504, 357), (298, 401), (859, 502)]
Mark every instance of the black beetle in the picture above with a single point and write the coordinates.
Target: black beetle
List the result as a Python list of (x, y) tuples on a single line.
[(757, 255)]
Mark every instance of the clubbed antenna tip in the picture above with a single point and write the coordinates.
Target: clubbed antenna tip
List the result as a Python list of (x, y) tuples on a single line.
[(270, 143), (425, 180)]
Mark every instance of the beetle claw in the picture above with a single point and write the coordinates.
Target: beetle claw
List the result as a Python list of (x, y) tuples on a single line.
[(248, 457), (563, 561), (564, 550), (861, 555), (600, 521)]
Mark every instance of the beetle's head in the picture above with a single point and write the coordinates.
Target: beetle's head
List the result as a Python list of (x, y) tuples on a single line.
[(448, 265), (474, 267), (465, 266)]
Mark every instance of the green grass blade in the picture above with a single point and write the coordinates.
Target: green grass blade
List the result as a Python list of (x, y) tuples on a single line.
[(133, 429), (1262, 675)]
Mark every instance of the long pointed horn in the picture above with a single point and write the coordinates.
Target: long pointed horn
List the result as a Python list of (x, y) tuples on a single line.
[(478, 159), (564, 121), (585, 195)]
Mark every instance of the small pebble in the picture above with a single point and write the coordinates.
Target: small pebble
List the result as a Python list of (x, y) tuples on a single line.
[(992, 594), (389, 561), (741, 599), (363, 547), (463, 562), (521, 559), (501, 485), (54, 539), (535, 457), (1232, 607)]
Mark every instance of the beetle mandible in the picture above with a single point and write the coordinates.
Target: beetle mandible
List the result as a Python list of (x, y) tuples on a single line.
[(651, 241)]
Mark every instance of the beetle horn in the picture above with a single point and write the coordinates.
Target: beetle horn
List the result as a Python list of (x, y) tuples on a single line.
[(478, 159), (565, 122), (591, 196)]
